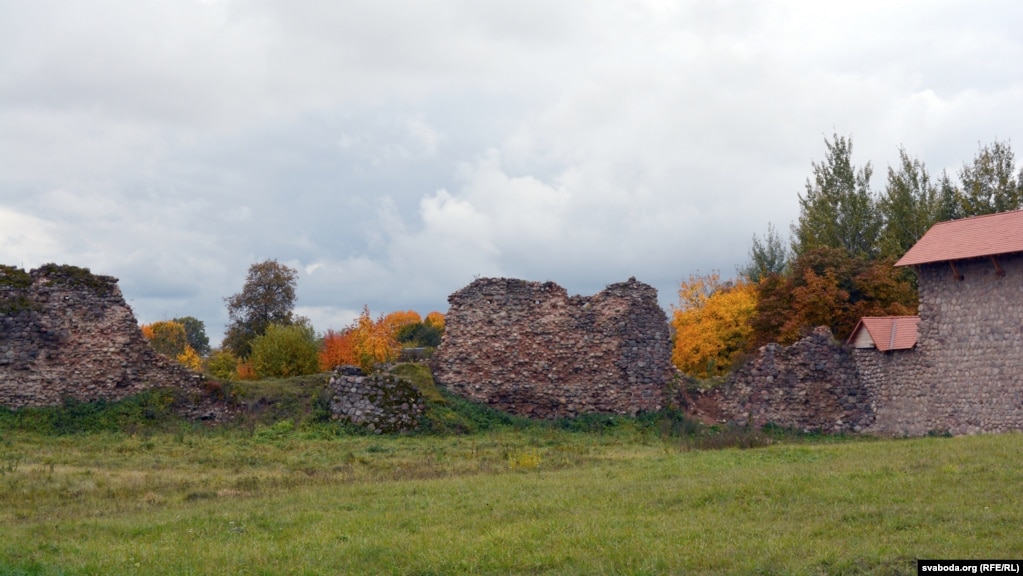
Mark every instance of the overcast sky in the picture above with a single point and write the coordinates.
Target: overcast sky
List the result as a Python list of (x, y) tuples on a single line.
[(393, 151)]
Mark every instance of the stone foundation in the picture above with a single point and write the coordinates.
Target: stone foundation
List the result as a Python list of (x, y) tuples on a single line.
[(382, 403)]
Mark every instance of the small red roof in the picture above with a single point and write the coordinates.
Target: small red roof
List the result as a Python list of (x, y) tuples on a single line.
[(888, 332), (988, 235)]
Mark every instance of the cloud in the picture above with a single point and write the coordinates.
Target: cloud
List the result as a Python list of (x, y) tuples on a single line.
[(393, 151), (25, 241)]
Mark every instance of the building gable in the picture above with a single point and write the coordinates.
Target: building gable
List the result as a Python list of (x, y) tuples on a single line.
[(885, 333)]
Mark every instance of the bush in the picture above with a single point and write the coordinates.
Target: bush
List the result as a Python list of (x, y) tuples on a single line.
[(222, 365), (285, 351)]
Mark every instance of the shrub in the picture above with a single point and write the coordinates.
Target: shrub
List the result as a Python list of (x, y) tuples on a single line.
[(222, 365), (285, 351)]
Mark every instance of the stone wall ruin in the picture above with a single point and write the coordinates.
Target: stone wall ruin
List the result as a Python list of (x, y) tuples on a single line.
[(812, 385), (381, 403), (528, 348), (964, 376), (67, 333)]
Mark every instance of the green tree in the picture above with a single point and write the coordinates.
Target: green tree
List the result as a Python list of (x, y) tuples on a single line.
[(285, 351), (420, 334), (950, 202), (990, 184), (195, 333), (766, 256), (268, 297), (910, 205), (838, 210)]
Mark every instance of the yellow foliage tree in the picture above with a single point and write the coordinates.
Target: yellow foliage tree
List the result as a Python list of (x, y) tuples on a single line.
[(170, 339), (712, 324), (375, 342), (167, 338), (365, 342), (435, 320), (190, 359)]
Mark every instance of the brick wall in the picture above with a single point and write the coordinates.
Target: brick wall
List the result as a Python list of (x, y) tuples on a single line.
[(530, 349)]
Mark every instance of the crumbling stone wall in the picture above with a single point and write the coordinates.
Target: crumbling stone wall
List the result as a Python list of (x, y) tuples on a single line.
[(812, 385), (66, 333), (530, 349), (965, 375), (382, 403)]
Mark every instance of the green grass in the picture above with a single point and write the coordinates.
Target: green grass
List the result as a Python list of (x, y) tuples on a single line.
[(540, 500), (129, 488)]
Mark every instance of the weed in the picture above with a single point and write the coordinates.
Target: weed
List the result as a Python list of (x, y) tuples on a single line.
[(524, 460)]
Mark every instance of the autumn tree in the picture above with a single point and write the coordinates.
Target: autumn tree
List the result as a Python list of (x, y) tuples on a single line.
[(395, 322), (838, 210), (337, 348), (168, 338), (830, 287), (712, 324), (435, 320), (268, 297), (375, 342), (990, 183), (284, 351)]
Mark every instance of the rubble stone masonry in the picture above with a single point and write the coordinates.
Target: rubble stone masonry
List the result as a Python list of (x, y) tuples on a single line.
[(66, 333), (966, 373), (964, 376), (811, 385), (530, 349), (382, 403)]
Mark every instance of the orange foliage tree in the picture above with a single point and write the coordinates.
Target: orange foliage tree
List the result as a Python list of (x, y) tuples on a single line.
[(190, 359), (375, 342), (395, 321), (366, 342), (337, 349), (829, 287), (712, 324)]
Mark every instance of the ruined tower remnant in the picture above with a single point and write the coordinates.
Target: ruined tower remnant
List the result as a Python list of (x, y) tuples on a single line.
[(67, 333), (530, 349)]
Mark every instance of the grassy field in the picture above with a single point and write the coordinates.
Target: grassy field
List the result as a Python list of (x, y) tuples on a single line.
[(287, 499), (131, 488)]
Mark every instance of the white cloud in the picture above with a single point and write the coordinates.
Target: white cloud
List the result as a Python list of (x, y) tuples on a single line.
[(26, 241), (393, 151)]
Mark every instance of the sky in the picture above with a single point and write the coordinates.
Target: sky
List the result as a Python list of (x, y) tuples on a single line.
[(393, 151)]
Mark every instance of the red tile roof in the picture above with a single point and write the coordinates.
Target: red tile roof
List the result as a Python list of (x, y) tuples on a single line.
[(989, 235), (888, 332)]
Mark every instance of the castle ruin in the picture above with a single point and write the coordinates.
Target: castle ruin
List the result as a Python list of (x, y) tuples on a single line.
[(67, 333), (528, 348)]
